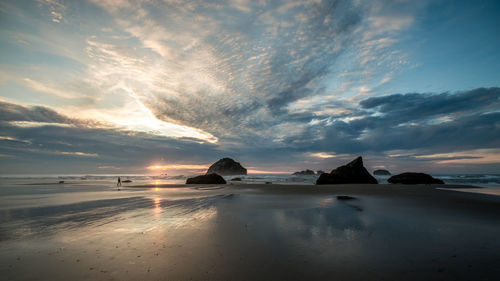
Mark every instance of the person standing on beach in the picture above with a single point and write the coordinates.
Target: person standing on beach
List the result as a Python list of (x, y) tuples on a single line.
[(119, 183)]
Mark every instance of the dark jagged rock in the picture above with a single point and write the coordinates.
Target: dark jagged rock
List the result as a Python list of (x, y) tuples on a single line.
[(319, 172), (305, 173), (414, 178), (381, 172), (227, 167), (235, 179), (206, 179), (354, 172)]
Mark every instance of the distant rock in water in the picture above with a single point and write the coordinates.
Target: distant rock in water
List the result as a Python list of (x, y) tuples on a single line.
[(235, 179), (319, 172), (127, 181), (381, 172), (354, 172), (206, 179), (414, 178), (305, 173), (345, 197), (227, 167)]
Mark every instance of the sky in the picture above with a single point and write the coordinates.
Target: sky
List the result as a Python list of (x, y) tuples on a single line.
[(117, 87)]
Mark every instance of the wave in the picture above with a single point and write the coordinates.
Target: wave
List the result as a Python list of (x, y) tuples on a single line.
[(466, 179)]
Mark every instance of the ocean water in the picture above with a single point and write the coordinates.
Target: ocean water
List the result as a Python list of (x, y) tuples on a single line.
[(12, 184), (481, 180)]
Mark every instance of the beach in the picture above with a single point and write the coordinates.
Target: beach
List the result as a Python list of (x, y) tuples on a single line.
[(92, 231)]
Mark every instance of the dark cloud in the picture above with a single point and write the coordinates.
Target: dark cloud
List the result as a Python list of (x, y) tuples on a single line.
[(410, 122), (13, 112), (416, 106)]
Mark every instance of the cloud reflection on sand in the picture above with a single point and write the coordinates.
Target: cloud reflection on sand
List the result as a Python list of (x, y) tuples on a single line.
[(52, 219)]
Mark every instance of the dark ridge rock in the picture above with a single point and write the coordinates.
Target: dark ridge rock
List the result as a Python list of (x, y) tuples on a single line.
[(227, 167), (127, 181), (319, 172), (381, 172), (206, 179), (235, 179), (305, 173), (345, 197), (414, 178), (353, 172)]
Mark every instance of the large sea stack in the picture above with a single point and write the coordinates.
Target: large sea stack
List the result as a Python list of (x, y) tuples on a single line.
[(354, 172), (414, 178), (206, 179), (227, 167)]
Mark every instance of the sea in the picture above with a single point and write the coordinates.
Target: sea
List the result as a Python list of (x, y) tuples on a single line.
[(480, 180)]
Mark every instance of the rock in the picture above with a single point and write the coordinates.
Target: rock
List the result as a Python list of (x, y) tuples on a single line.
[(414, 178), (381, 172), (61, 181), (305, 173), (319, 172), (206, 179), (235, 179), (227, 167), (127, 181), (354, 172), (345, 197)]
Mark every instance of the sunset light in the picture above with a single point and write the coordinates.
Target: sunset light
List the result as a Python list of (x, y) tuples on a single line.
[(248, 140)]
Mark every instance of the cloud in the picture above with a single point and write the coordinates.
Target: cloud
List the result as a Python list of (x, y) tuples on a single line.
[(270, 82), (56, 8), (58, 141), (228, 74), (425, 106), (414, 121), (322, 155), (40, 116)]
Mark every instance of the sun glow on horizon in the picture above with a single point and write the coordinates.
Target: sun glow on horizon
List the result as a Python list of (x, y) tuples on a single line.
[(266, 172)]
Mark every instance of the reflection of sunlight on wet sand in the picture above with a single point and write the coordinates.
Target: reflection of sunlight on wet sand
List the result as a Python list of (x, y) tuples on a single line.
[(326, 201), (157, 206)]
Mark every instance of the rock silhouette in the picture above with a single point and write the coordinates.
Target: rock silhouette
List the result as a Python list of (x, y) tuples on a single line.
[(305, 173), (381, 172), (353, 172), (414, 178), (206, 179), (227, 167)]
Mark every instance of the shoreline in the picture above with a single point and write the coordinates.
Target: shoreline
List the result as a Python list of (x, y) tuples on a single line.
[(251, 232)]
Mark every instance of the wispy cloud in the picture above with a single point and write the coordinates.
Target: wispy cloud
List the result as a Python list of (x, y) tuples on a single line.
[(178, 167), (303, 81), (56, 9)]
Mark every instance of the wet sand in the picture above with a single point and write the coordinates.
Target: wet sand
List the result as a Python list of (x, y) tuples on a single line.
[(248, 232)]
